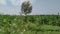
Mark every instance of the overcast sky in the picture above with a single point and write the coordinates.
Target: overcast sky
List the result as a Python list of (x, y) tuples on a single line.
[(39, 6)]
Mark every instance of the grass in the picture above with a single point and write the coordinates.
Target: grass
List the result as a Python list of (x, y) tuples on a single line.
[(37, 24)]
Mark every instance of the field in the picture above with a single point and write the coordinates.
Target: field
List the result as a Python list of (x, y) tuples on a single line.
[(34, 24)]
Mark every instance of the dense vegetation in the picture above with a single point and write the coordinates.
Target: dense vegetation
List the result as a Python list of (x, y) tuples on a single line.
[(35, 24)]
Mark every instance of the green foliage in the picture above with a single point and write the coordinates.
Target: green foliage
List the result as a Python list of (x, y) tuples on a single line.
[(26, 7), (43, 24), (31, 19)]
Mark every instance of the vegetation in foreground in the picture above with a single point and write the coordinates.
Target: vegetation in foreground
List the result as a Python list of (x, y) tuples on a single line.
[(35, 24)]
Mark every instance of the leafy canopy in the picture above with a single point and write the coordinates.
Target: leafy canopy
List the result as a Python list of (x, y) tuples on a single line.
[(26, 7)]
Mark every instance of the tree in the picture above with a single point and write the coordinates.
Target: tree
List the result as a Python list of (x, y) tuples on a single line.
[(26, 8)]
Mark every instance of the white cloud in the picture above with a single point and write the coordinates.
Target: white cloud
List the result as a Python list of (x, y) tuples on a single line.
[(23, 0), (17, 2), (14, 2), (9, 10), (3, 2)]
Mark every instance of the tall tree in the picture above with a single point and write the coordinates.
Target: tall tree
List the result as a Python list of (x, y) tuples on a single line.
[(26, 8)]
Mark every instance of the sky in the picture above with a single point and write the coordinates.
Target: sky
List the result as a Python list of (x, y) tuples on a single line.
[(13, 7)]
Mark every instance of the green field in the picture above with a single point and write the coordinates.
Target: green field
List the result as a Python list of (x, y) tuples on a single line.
[(34, 24)]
